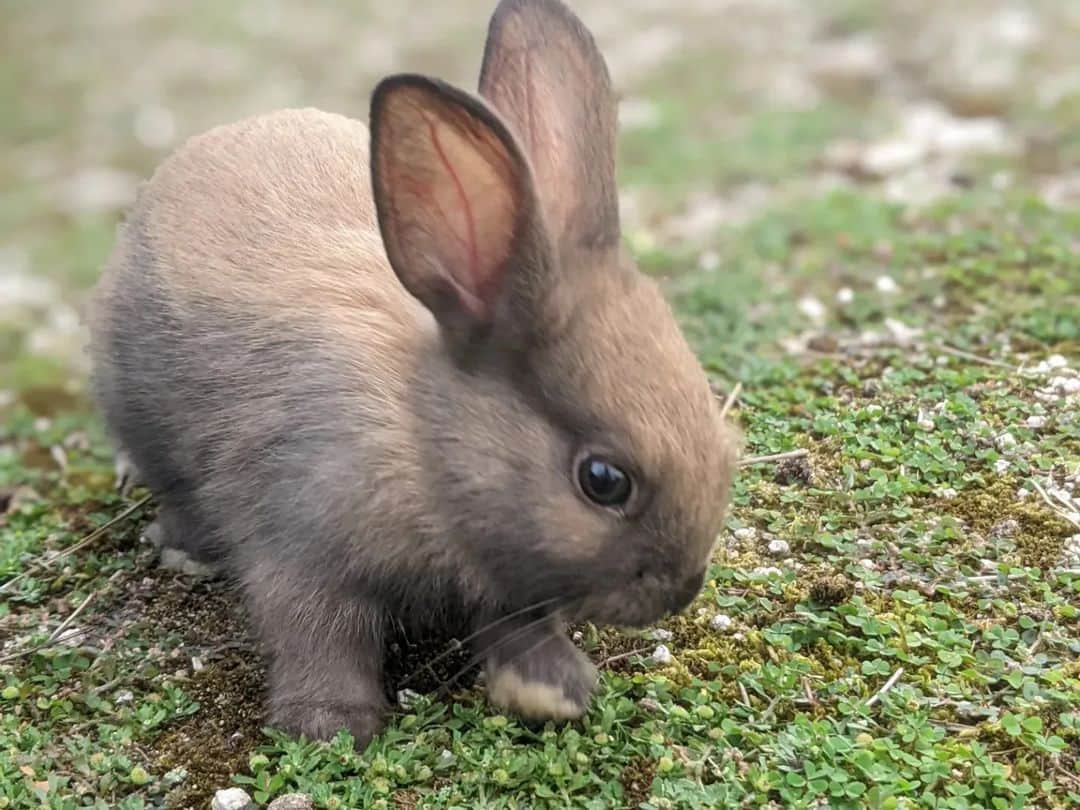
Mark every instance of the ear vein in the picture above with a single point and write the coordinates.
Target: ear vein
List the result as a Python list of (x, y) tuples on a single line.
[(470, 221)]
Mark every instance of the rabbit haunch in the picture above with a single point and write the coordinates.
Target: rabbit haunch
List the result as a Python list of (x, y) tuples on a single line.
[(366, 387)]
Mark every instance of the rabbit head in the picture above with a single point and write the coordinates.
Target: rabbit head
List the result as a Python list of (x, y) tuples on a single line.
[(576, 455)]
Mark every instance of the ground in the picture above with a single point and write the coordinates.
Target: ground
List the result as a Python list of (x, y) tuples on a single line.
[(866, 216)]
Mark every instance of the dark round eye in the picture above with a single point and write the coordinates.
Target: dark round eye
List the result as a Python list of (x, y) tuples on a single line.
[(603, 482)]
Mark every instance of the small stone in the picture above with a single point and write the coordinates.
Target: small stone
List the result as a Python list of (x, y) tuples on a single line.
[(948, 493), (197, 664), (1035, 421), (765, 571), (1065, 386), (812, 308), (869, 565), (662, 655), (892, 156), (1052, 362), (649, 705), (988, 566), (864, 542), (779, 548), (578, 636), (885, 285), (292, 801), (745, 533), (1001, 466), (721, 621), (900, 332), (232, 799), (1005, 442), (845, 295), (660, 634), (1023, 494), (406, 698), (123, 696), (925, 423)]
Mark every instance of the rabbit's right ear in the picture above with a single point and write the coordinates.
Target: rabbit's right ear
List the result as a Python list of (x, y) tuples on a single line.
[(544, 74), (455, 203)]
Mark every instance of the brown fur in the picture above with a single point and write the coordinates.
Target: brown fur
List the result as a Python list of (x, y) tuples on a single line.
[(355, 454)]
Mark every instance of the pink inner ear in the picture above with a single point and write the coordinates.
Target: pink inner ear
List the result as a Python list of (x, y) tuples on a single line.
[(474, 285)]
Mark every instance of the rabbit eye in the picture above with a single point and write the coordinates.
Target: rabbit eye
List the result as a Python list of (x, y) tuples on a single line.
[(602, 482)]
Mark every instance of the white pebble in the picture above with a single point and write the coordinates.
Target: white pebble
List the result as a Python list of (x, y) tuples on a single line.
[(721, 621), (869, 565), (845, 295), (925, 423), (660, 634), (779, 548), (1005, 442), (197, 664), (124, 696), (864, 542), (1001, 465), (900, 332), (1035, 421), (1065, 386), (1052, 362), (765, 571), (662, 655), (231, 799), (885, 285), (1023, 494), (745, 533), (948, 493), (812, 308), (578, 636), (407, 698), (988, 566)]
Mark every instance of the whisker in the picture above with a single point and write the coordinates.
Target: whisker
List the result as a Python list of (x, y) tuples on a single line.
[(457, 644), (480, 655)]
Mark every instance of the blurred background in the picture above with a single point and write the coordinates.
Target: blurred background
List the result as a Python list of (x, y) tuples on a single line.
[(729, 107)]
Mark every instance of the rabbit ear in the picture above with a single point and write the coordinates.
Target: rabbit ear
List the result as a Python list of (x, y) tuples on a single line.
[(454, 198), (544, 74)]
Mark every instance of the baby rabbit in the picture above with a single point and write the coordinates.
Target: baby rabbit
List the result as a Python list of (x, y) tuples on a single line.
[(415, 384)]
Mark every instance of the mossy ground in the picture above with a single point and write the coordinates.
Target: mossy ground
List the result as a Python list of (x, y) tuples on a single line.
[(898, 340)]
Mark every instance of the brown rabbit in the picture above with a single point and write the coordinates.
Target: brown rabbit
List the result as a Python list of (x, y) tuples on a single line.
[(431, 388)]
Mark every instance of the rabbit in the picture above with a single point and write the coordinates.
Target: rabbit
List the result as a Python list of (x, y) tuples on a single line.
[(389, 379)]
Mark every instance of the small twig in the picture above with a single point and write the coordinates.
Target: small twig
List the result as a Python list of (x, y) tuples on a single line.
[(730, 401), (83, 543), (54, 635), (767, 714), (809, 692), (747, 462), (884, 690), (1057, 510), (1036, 645), (975, 358), (622, 656), (745, 696)]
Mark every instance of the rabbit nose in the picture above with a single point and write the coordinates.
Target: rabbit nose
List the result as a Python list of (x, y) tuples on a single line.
[(684, 592)]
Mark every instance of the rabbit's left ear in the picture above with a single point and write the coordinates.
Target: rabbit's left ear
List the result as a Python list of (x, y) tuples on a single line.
[(544, 74), (456, 207)]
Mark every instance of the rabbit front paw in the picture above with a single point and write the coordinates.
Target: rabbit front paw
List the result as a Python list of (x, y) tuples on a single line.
[(550, 680), (323, 720)]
